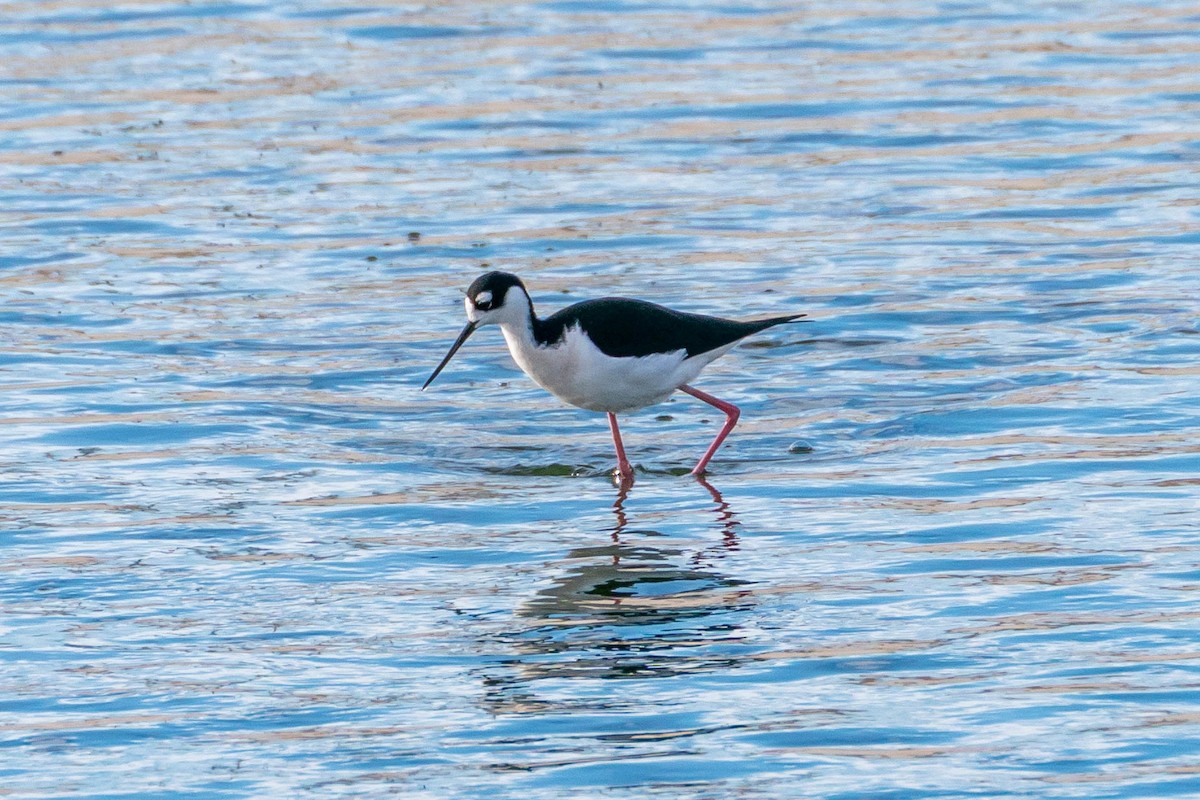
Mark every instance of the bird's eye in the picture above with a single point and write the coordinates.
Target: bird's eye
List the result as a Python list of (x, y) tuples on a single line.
[(483, 301)]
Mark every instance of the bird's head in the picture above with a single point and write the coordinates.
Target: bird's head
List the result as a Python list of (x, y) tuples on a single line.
[(496, 297), (493, 298)]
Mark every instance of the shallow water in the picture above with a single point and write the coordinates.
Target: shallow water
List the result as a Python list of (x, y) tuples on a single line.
[(950, 551)]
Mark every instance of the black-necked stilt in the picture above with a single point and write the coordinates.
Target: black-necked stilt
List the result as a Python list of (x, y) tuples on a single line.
[(612, 355)]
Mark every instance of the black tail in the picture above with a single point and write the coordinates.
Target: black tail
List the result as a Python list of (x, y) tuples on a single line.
[(732, 330), (771, 322), (720, 332)]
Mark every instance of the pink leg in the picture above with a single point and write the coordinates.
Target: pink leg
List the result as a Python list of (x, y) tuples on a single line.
[(732, 413), (624, 468)]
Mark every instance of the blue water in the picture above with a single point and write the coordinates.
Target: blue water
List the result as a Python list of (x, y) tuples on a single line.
[(950, 551)]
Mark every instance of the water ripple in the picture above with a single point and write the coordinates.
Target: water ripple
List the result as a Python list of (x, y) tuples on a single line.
[(950, 550)]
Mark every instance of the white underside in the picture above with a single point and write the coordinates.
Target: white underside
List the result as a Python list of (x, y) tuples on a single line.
[(576, 372)]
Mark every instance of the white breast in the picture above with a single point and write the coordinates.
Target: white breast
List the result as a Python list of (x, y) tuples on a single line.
[(575, 371)]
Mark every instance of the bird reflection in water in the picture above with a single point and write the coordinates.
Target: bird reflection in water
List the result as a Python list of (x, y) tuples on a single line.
[(640, 606)]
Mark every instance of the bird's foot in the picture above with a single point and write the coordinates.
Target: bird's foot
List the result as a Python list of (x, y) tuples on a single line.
[(623, 474)]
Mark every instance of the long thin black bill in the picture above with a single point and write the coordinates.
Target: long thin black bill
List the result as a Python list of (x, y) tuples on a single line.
[(462, 337)]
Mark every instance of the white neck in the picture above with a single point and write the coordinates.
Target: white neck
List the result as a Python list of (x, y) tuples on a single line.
[(517, 326)]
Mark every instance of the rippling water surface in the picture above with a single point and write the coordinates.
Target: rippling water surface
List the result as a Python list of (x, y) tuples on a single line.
[(951, 551)]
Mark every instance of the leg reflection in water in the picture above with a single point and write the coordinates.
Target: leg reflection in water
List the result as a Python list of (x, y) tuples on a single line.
[(724, 512)]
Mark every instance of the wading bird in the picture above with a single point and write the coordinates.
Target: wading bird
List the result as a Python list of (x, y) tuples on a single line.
[(613, 354)]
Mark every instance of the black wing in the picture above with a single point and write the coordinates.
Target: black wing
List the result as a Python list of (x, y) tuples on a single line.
[(621, 327)]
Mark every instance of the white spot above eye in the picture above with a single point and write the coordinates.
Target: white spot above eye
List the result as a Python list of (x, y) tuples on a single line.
[(483, 298)]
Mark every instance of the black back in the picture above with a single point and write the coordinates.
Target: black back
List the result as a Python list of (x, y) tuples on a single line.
[(621, 328)]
